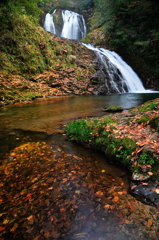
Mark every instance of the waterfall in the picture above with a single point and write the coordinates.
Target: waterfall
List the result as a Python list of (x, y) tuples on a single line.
[(73, 24), (119, 77), (122, 78), (49, 23)]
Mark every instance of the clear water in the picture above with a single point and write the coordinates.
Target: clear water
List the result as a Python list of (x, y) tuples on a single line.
[(48, 115)]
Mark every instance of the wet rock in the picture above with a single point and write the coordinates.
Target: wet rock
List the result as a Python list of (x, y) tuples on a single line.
[(136, 176), (146, 193)]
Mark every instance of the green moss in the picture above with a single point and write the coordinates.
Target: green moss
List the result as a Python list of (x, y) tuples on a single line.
[(154, 123), (144, 119), (30, 96), (148, 106), (113, 108), (121, 149), (94, 132), (79, 130)]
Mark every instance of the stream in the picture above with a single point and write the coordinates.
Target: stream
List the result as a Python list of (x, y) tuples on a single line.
[(44, 118), (88, 197)]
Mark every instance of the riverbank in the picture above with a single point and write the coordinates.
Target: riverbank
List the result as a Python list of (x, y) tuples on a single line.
[(129, 139)]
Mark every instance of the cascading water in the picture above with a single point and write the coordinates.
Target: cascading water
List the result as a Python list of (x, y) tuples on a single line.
[(73, 26), (122, 78), (119, 76), (49, 23)]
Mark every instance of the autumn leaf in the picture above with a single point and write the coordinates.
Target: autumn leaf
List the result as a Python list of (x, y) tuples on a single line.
[(150, 173), (116, 199), (5, 221), (149, 222), (29, 195), (99, 193), (14, 227), (2, 229), (156, 190)]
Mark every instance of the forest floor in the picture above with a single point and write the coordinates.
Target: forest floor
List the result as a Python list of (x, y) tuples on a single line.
[(48, 194)]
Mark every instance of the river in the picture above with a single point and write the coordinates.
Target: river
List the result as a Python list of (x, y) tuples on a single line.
[(44, 118)]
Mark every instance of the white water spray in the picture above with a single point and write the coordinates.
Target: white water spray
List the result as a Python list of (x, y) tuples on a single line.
[(49, 23), (74, 26), (128, 81)]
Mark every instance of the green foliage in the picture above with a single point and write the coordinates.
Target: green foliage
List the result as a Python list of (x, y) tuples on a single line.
[(132, 27), (79, 130), (146, 158), (121, 149), (87, 130)]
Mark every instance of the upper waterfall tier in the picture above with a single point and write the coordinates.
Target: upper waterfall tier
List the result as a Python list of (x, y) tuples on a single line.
[(65, 24)]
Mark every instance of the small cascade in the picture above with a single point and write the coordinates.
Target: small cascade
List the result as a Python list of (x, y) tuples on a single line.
[(122, 78), (73, 24), (49, 23)]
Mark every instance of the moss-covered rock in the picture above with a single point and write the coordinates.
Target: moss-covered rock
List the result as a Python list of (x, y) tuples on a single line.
[(113, 108)]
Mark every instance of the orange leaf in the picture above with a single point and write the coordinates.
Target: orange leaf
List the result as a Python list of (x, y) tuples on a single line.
[(28, 195), (124, 191), (149, 222), (2, 229), (150, 173), (99, 193), (116, 199), (134, 186)]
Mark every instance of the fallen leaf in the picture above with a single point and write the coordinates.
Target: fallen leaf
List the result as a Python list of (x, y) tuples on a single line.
[(2, 229), (5, 221), (116, 199), (99, 193), (106, 206), (150, 173), (149, 222), (155, 190), (29, 195)]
